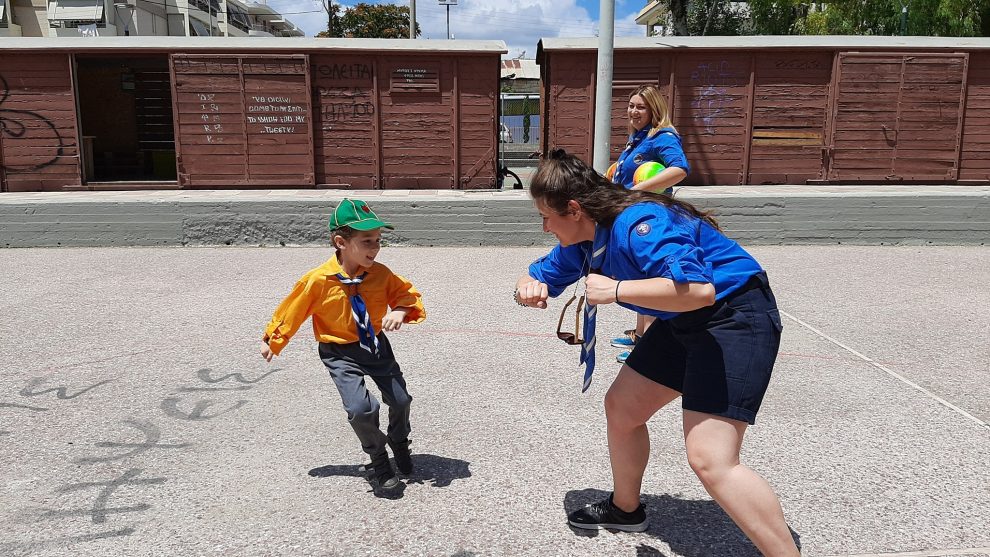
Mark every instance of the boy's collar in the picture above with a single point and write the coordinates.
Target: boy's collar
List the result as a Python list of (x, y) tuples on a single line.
[(335, 268)]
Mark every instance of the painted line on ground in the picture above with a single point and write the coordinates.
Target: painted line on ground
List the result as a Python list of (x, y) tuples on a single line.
[(895, 375), (930, 553)]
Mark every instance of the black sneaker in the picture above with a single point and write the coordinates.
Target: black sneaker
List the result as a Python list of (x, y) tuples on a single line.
[(380, 471), (403, 459), (604, 514)]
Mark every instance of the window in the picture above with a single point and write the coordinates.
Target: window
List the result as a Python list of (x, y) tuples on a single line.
[(70, 13)]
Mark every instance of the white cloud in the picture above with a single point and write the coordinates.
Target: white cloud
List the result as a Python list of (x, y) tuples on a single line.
[(520, 23)]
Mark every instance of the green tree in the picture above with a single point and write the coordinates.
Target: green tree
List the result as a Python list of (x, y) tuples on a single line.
[(372, 21), (951, 18), (713, 17), (679, 16), (777, 17), (333, 19)]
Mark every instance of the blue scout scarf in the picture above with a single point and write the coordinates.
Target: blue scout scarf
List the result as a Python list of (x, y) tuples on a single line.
[(366, 331), (590, 313)]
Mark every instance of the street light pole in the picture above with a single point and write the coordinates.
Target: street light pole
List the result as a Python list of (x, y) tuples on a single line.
[(448, 3), (412, 19), (603, 88)]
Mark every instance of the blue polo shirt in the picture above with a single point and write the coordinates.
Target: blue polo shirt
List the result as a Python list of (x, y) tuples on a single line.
[(649, 240), (663, 147)]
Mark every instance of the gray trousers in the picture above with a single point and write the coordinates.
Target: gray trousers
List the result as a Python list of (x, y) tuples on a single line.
[(348, 365)]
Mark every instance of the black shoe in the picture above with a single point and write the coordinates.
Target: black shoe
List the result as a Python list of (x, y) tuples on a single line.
[(403, 459), (604, 514), (380, 472)]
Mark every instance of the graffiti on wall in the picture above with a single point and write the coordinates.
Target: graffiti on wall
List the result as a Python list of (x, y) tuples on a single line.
[(28, 124), (711, 100), (342, 71), (344, 103)]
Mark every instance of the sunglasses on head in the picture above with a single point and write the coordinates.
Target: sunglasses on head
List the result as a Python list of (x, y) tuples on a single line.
[(571, 338)]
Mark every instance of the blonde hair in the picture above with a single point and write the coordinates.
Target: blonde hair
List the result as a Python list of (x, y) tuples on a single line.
[(658, 108), (562, 177)]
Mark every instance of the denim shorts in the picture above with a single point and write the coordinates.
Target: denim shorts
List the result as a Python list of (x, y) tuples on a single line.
[(720, 357)]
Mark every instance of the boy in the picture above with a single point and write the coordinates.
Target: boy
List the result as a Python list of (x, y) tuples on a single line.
[(349, 298)]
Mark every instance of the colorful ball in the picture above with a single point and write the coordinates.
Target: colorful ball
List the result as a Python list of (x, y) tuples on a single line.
[(610, 173), (646, 171)]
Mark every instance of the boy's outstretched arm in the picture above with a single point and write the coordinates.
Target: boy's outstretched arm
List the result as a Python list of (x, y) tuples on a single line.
[(266, 351)]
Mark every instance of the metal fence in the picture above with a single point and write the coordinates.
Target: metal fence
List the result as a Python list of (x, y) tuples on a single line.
[(519, 132)]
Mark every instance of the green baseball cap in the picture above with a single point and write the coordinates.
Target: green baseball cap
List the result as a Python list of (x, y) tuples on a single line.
[(357, 215)]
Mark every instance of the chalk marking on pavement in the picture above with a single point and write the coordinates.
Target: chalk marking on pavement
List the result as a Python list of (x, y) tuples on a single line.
[(900, 378), (931, 553), (482, 332)]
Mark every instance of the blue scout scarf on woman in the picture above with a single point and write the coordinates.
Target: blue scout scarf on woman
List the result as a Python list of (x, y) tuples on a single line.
[(590, 313)]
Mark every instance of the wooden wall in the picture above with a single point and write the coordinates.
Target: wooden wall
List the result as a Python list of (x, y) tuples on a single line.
[(327, 118), (974, 163), (38, 139), (242, 120), (777, 116)]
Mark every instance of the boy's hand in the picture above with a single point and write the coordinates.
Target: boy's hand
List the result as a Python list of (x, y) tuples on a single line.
[(266, 352), (394, 319)]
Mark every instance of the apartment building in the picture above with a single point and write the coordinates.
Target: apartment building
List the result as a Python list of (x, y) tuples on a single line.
[(192, 18)]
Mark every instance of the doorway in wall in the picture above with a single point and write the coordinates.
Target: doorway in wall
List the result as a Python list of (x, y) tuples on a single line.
[(126, 122)]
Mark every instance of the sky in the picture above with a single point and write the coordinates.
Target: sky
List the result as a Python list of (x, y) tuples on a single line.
[(520, 23)]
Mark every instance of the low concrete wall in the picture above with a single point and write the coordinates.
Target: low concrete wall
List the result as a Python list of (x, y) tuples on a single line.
[(943, 215)]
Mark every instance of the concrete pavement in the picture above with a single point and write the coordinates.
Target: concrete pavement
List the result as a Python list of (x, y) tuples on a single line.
[(138, 419)]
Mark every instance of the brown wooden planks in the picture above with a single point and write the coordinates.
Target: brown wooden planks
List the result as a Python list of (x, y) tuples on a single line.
[(243, 119), (38, 145)]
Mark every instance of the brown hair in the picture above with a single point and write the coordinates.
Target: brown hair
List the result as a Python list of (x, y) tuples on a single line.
[(659, 113), (345, 232), (562, 177)]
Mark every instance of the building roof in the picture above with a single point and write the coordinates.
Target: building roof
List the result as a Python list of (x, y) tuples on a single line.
[(768, 41), (291, 44), (520, 69), (648, 11)]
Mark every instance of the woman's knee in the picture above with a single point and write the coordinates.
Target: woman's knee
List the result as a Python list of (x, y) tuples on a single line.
[(633, 399), (709, 463), (620, 410)]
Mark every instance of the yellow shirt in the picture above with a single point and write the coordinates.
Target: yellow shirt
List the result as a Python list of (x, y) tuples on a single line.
[(320, 294)]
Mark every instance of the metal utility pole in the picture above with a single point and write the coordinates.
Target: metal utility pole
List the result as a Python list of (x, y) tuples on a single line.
[(603, 89), (448, 3), (412, 19)]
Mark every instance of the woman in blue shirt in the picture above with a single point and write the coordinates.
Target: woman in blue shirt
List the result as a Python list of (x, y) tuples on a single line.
[(652, 138), (713, 343)]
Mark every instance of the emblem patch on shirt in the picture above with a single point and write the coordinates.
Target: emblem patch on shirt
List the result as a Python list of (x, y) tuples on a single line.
[(643, 229), (638, 159)]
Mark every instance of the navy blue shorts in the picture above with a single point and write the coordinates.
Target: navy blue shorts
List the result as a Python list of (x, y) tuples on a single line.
[(720, 357)]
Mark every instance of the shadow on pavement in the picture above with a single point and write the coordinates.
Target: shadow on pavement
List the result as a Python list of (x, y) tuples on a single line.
[(692, 528), (438, 471)]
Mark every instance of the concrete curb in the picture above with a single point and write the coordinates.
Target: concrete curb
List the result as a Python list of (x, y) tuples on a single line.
[(863, 215)]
